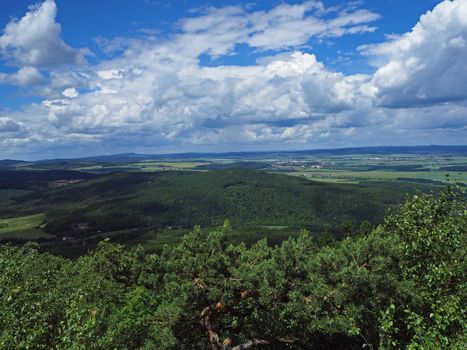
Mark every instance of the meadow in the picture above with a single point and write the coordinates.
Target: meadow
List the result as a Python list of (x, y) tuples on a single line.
[(25, 227)]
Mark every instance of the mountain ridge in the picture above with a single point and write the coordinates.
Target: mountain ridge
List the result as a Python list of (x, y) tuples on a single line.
[(132, 156)]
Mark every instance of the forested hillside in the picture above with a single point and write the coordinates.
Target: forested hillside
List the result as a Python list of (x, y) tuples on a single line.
[(124, 201), (400, 286)]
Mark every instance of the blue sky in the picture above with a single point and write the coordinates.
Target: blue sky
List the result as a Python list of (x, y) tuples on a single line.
[(92, 77)]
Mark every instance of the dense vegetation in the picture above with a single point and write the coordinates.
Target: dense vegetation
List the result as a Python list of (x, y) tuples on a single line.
[(400, 286), (38, 179), (125, 201)]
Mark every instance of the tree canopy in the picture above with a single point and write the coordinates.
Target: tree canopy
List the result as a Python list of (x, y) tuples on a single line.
[(400, 285)]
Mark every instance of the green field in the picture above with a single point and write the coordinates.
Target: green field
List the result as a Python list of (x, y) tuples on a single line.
[(345, 176), (23, 227)]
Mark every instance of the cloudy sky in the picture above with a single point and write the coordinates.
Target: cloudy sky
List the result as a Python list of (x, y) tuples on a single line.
[(97, 77)]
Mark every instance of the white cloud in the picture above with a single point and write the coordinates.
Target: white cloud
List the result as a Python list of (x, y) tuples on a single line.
[(155, 94), (9, 125), (70, 92), (110, 74), (426, 65), (24, 76), (173, 101), (34, 40), (218, 30)]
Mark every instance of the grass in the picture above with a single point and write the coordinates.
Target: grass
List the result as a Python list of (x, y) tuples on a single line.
[(345, 176), (23, 227)]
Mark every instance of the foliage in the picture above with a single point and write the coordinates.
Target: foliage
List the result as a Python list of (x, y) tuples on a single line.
[(402, 285), (432, 250)]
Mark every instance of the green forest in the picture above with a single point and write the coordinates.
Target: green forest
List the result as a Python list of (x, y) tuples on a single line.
[(400, 286), (160, 207)]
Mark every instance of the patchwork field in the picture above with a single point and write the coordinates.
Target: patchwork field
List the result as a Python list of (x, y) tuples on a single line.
[(406, 164), (345, 176)]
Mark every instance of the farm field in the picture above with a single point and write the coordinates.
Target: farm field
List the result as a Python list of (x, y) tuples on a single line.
[(345, 176), (23, 227), (409, 164), (323, 169), (422, 169)]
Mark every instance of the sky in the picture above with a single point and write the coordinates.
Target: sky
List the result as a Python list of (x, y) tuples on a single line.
[(82, 78)]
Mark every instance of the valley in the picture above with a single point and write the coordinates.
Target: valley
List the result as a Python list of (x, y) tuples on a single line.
[(69, 205)]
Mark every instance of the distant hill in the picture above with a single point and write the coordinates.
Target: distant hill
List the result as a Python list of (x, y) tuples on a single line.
[(10, 163), (124, 201), (135, 157), (434, 149), (32, 179)]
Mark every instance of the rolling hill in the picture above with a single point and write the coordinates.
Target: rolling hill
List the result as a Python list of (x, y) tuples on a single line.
[(160, 200)]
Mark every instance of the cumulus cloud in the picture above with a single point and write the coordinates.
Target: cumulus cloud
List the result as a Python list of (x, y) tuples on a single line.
[(70, 92), (9, 125), (159, 91), (24, 76), (426, 65), (283, 91), (156, 94), (34, 40)]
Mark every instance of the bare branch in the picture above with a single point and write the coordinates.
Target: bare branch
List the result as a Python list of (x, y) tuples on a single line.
[(214, 340), (212, 334), (251, 343)]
